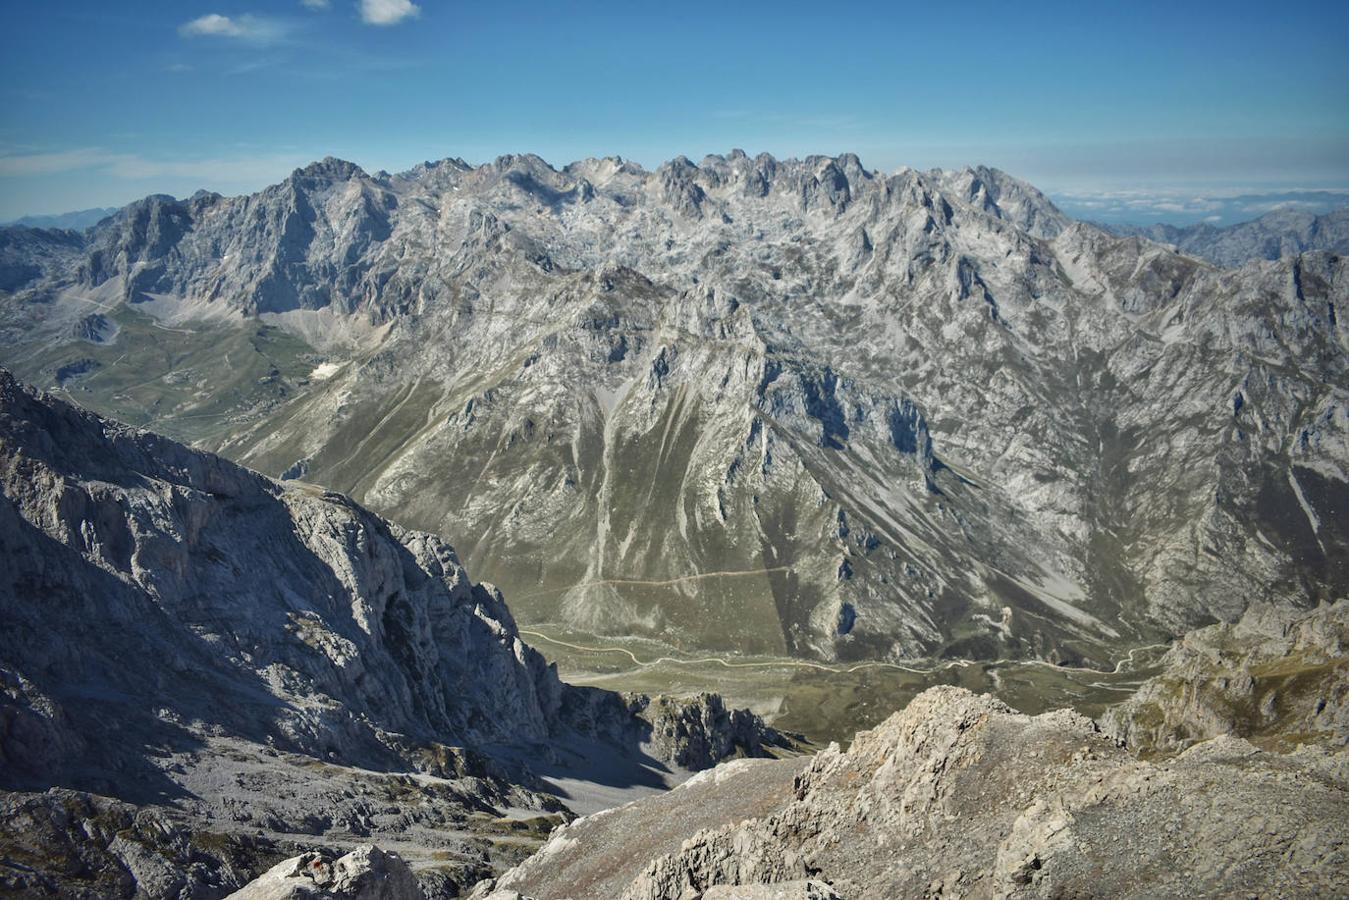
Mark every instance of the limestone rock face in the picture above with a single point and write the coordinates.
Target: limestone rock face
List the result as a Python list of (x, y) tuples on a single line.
[(958, 794), (1277, 677), (774, 406)]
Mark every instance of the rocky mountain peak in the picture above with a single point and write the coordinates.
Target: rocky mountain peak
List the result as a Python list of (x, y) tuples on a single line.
[(329, 169), (1005, 197)]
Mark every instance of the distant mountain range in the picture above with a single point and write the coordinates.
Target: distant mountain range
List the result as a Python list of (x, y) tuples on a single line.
[(745, 404), (78, 220), (1283, 232)]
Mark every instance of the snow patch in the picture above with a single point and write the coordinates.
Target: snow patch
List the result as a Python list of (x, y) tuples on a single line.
[(324, 371), (1312, 518)]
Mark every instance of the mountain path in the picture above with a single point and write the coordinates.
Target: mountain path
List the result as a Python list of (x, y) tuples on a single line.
[(667, 582)]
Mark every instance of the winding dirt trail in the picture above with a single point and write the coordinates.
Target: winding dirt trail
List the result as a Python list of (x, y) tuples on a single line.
[(666, 583), (778, 664)]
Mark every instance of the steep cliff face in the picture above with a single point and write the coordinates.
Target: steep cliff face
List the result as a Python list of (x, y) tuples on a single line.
[(137, 569), (248, 667), (784, 406)]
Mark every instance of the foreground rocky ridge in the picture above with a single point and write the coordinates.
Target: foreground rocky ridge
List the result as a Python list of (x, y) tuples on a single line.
[(960, 795), (775, 406), (202, 669)]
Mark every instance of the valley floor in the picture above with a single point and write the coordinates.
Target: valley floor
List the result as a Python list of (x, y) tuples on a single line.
[(829, 702)]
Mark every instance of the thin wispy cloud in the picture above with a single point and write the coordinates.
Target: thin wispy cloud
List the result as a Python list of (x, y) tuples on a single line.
[(20, 165), (388, 12), (133, 167), (208, 171), (248, 27), (315, 4), (250, 66)]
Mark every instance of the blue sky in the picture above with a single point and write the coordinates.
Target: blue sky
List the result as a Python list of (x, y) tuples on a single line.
[(1177, 102)]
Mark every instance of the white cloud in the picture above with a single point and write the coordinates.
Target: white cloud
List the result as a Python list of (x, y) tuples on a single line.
[(211, 24), (1223, 205), (315, 4), (247, 27), (388, 12)]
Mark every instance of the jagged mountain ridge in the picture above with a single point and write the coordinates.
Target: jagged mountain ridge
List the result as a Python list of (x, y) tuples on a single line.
[(780, 406), (1278, 233)]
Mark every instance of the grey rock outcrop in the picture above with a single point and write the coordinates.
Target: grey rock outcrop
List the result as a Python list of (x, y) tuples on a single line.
[(366, 873), (96, 329), (1277, 677), (699, 732), (65, 843)]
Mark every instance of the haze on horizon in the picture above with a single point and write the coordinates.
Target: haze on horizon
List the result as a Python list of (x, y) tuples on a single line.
[(1145, 112)]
